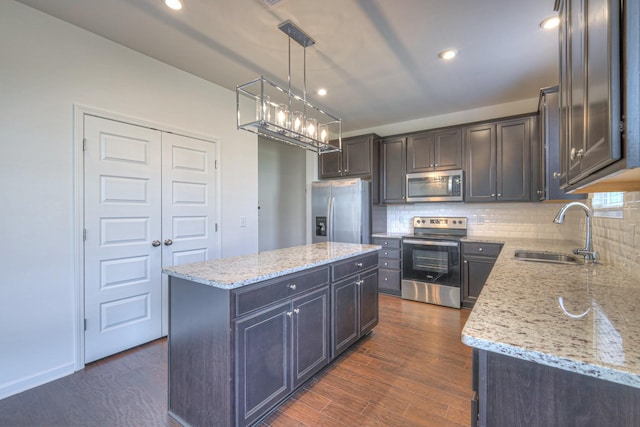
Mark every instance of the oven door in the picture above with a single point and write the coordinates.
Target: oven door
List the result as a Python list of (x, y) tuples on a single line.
[(431, 261)]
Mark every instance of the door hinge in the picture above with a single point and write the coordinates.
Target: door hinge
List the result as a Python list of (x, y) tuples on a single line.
[(85, 324), (215, 164), (84, 144), (84, 235), (216, 227), (621, 126)]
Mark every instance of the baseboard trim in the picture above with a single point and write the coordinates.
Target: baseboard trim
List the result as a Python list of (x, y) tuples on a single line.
[(35, 380)]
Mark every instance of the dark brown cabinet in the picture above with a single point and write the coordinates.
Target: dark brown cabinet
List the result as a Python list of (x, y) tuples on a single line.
[(278, 349), (498, 161), (354, 301), (393, 170), (389, 265), (357, 159), (478, 260), (516, 392), (433, 151), (599, 94), (549, 175)]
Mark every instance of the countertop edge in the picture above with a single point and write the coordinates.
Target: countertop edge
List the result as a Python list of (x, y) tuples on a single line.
[(260, 278)]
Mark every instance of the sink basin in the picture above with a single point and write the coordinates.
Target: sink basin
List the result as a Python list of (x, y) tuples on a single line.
[(541, 256)]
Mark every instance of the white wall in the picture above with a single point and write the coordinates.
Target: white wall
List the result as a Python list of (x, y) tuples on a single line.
[(281, 195), (47, 66)]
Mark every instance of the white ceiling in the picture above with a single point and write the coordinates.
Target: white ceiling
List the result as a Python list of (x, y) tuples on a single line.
[(377, 58)]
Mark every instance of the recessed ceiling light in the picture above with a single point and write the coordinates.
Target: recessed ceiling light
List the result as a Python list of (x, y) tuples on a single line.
[(448, 54), (550, 23), (174, 4), (322, 92)]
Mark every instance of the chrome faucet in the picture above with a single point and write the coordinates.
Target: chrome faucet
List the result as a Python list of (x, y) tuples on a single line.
[(587, 251)]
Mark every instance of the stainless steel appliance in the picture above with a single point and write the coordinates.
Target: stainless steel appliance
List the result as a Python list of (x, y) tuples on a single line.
[(431, 260), (341, 211), (441, 186)]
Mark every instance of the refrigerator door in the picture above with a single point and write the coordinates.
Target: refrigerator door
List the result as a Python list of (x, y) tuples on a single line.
[(348, 206), (320, 215)]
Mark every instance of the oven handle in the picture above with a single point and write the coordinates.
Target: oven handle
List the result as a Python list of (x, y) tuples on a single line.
[(430, 243)]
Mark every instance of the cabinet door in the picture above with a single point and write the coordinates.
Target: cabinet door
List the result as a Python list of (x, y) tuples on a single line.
[(356, 156), (476, 270), (448, 149), (480, 149), (263, 352), (420, 152), (344, 303), (393, 170), (330, 165), (310, 335), (368, 290), (514, 160)]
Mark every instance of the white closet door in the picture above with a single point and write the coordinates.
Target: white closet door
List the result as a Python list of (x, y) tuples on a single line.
[(188, 203), (123, 297)]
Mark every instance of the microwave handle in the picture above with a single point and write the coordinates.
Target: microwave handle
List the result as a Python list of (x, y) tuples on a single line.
[(430, 243)]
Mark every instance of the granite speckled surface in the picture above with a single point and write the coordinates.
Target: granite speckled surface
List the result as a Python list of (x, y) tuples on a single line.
[(581, 318), (233, 272)]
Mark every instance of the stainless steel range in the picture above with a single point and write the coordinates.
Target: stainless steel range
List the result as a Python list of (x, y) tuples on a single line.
[(431, 260)]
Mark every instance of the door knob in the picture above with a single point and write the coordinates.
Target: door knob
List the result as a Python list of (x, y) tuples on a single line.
[(155, 243), (168, 242)]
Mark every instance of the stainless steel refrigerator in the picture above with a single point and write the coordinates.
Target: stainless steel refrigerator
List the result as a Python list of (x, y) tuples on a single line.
[(341, 211)]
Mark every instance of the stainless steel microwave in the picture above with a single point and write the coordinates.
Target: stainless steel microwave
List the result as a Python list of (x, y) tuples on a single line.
[(441, 186)]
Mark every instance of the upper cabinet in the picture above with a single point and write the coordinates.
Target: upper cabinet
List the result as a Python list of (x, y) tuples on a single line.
[(433, 151), (599, 95), (358, 158), (548, 183), (394, 169), (498, 161)]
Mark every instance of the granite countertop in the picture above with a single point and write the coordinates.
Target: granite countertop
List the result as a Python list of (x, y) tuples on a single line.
[(234, 272), (580, 318)]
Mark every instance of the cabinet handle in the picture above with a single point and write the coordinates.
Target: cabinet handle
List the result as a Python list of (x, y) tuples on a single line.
[(493, 194), (359, 264), (386, 253), (386, 264), (466, 262), (359, 282), (386, 243), (499, 195), (289, 313), (557, 175), (385, 279), (480, 249), (296, 311), (436, 165), (292, 286)]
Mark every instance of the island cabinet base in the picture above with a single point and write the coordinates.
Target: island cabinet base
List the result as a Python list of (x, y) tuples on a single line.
[(236, 354), (511, 392)]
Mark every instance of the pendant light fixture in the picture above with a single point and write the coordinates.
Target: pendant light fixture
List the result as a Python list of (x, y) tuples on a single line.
[(266, 109)]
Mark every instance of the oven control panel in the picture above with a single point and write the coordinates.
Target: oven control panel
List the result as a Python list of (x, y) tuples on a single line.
[(458, 223)]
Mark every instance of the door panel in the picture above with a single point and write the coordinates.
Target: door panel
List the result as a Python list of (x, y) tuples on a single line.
[(122, 218), (188, 204)]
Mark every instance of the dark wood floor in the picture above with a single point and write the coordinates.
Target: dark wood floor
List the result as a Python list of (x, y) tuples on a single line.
[(411, 371)]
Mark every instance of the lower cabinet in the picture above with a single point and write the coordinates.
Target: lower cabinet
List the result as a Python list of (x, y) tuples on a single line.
[(355, 309), (477, 262), (277, 349), (236, 354), (516, 392), (390, 265)]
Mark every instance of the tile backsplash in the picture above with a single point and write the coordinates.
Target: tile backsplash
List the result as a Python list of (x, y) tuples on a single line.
[(617, 240)]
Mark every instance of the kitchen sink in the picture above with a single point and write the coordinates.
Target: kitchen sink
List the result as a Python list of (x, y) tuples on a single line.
[(542, 256)]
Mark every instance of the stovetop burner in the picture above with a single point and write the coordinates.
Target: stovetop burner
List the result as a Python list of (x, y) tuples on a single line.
[(443, 228)]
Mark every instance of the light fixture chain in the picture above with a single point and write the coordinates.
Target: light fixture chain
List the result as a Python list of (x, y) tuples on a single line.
[(289, 75)]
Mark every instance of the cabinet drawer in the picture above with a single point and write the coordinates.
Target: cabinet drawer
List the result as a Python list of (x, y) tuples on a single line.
[(389, 281), (477, 248), (353, 265), (386, 242), (265, 293), (390, 253), (392, 264)]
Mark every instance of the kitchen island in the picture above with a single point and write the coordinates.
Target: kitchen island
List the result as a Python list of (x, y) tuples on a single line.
[(555, 344), (246, 332)]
